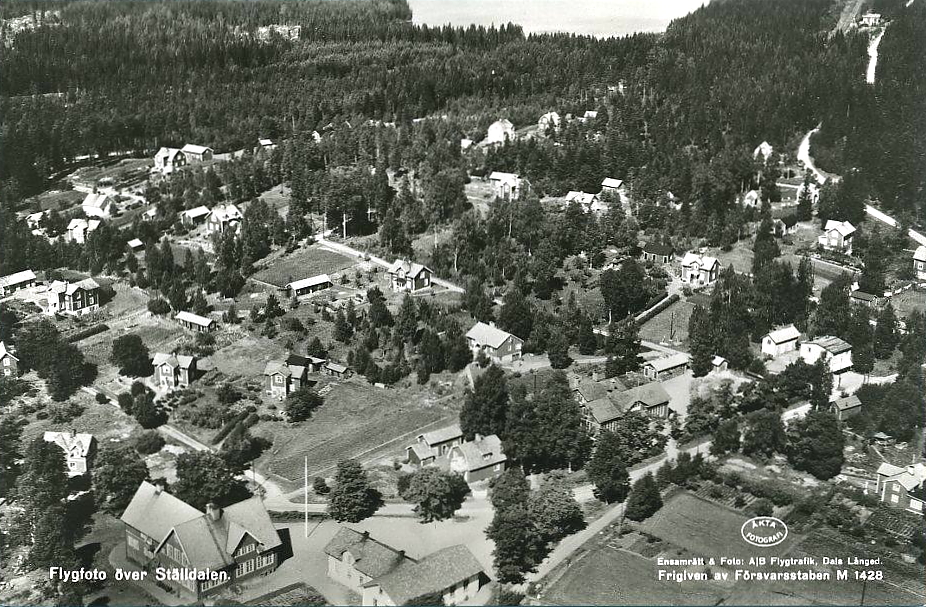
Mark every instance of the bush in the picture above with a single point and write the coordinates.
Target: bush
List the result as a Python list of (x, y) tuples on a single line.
[(227, 394), (228, 427), (89, 332), (101, 398), (158, 306), (320, 487), (149, 442), (739, 501), (62, 413), (715, 492), (762, 507), (138, 388), (125, 401)]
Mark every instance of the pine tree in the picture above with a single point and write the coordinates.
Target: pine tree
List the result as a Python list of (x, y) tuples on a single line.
[(131, 355), (352, 499), (624, 343), (886, 335), (700, 338), (644, 499), (407, 320), (588, 342), (558, 349)]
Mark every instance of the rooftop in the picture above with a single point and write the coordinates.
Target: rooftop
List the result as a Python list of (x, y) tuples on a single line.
[(174, 360), (17, 278), (403, 267), (196, 319), (831, 344), (371, 557), (784, 334), (442, 435), (434, 573), (481, 453), (669, 362), (487, 335), (309, 282)]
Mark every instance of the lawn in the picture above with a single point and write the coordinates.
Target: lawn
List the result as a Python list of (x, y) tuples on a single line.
[(908, 301), (670, 325), (277, 198), (55, 199), (607, 575), (304, 263), (705, 528), (357, 420)]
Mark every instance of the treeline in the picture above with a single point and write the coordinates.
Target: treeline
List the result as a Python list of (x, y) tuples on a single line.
[(883, 131)]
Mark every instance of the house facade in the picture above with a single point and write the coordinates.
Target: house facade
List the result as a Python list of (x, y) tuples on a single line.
[(308, 286), (844, 408), (282, 377), (837, 236), (667, 367), (79, 229), (174, 371), (499, 131), (500, 346), (919, 262), (409, 276), (11, 283), (383, 575), (224, 545), (9, 362), (590, 203), (79, 450), (98, 205), (196, 153), (195, 216), (168, 160), (779, 341), (507, 186), (477, 460), (902, 487), (699, 270), (836, 352), (222, 218), (195, 322), (604, 412), (432, 445), (658, 253), (73, 299)]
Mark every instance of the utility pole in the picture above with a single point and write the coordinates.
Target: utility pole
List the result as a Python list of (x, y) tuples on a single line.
[(305, 493)]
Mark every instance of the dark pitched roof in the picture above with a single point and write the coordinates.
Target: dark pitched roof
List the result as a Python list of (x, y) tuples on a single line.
[(434, 573), (371, 557), (651, 395), (658, 249), (849, 402)]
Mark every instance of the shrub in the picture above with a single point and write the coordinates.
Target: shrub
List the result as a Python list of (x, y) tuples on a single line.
[(101, 398), (138, 388), (158, 306), (62, 413), (149, 442), (762, 507), (320, 487), (739, 501), (227, 394), (715, 492)]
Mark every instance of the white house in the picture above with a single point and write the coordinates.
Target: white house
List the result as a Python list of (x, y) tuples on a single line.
[(97, 205), (870, 19), (191, 217), (500, 346), (409, 276), (310, 285), (837, 236), (499, 131), (699, 270), (590, 203), (781, 340), (78, 448), (223, 217), (507, 186), (765, 150), (610, 184), (168, 160), (16, 281), (79, 229), (549, 120), (919, 262), (837, 353)]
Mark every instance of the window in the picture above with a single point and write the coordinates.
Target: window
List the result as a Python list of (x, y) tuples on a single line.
[(6, 362), (246, 549), (133, 542), (895, 498), (916, 505), (498, 467)]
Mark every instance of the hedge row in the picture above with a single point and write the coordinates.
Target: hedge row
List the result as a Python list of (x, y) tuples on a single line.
[(88, 332), (665, 303), (228, 427)]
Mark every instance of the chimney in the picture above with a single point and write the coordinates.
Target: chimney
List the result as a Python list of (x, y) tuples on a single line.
[(213, 511), (158, 488), (478, 437), (492, 323), (366, 535), (911, 469), (596, 376)]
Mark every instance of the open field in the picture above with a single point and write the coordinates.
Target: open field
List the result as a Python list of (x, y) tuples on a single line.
[(908, 301), (355, 418), (307, 262), (609, 575), (705, 528), (670, 325), (55, 199), (277, 198)]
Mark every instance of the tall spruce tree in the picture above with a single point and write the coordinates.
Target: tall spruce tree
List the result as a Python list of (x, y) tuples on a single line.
[(485, 408)]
